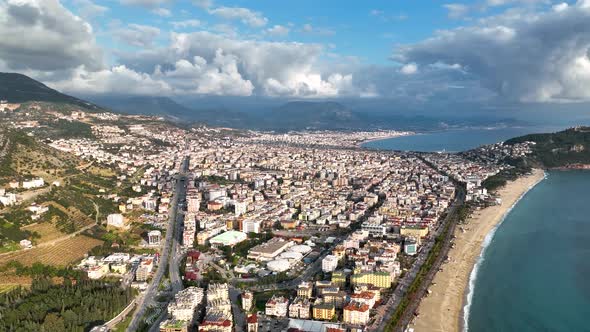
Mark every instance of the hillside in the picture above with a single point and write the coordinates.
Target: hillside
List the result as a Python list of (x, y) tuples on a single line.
[(566, 148), (18, 88), (22, 156), (140, 105), (72, 202), (304, 114)]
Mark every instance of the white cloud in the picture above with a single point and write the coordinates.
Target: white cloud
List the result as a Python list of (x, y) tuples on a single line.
[(163, 12), (278, 30), (137, 35), (30, 37), (203, 3), (144, 3), (560, 7), (88, 9), (539, 57), (386, 17), (308, 28), (409, 69), (496, 3), (272, 68), (117, 80), (185, 24), (244, 15), (456, 10), (219, 77)]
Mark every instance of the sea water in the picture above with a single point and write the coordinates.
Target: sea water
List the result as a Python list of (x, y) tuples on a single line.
[(535, 272), (454, 140)]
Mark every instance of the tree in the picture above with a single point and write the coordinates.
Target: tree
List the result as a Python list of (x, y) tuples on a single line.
[(53, 323)]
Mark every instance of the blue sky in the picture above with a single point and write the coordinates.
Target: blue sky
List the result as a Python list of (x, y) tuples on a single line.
[(369, 30), (413, 51)]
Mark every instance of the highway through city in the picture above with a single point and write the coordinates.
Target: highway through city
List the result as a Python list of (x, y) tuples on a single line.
[(172, 235)]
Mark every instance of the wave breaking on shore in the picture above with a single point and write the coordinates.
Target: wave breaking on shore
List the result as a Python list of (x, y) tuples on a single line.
[(485, 244)]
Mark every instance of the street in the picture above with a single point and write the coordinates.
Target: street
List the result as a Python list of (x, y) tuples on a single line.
[(147, 298)]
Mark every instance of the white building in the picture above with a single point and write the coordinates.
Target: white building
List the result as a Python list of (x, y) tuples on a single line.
[(8, 199), (192, 204), (329, 263), (185, 303), (374, 229), (98, 271), (247, 301), (277, 306), (34, 183), (240, 207), (116, 220), (26, 244), (154, 238), (251, 226)]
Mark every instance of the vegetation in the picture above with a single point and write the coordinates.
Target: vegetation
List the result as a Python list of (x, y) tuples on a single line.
[(517, 168), (62, 253), (261, 298), (18, 88), (70, 129), (428, 264), (76, 305), (215, 179), (38, 270), (240, 250), (568, 147)]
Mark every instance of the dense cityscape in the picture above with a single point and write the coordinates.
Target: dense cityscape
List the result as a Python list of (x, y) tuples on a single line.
[(252, 231)]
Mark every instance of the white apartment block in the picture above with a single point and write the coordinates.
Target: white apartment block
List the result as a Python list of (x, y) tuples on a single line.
[(329, 263)]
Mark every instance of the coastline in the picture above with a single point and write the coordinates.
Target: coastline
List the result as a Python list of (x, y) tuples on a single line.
[(360, 144), (443, 309)]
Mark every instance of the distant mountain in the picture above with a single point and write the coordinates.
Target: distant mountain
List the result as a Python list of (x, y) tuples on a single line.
[(318, 115), (252, 112), (18, 88), (143, 105)]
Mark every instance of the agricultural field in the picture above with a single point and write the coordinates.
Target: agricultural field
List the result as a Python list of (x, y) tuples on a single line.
[(45, 231), (7, 287), (62, 253), (9, 280)]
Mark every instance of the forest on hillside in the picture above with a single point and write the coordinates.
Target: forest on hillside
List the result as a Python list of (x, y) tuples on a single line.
[(568, 147)]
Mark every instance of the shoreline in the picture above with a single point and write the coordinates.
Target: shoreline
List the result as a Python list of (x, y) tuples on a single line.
[(403, 134), (452, 288)]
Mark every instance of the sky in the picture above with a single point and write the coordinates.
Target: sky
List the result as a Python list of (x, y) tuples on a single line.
[(525, 51)]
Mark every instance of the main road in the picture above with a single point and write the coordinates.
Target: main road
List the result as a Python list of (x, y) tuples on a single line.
[(170, 247)]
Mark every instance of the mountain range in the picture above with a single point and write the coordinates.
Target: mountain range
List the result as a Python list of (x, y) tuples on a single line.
[(251, 112)]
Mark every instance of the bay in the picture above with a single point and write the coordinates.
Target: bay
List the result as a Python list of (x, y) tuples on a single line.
[(454, 140)]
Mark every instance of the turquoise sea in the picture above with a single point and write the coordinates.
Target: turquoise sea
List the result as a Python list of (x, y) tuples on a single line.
[(455, 140), (534, 274)]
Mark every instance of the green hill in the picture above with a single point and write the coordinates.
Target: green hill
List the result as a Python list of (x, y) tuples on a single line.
[(562, 149), (18, 88)]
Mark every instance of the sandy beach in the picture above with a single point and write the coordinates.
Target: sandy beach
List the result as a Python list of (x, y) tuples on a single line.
[(442, 310)]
